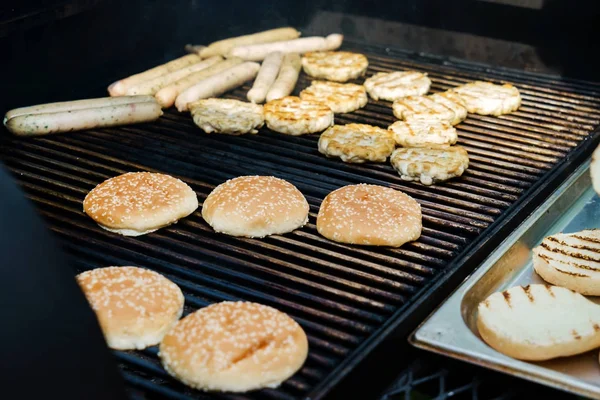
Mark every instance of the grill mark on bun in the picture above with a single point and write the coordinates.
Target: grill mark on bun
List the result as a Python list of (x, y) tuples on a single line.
[(547, 258), (576, 334), (506, 296), (570, 253), (573, 245), (571, 273), (527, 291), (549, 289), (596, 327), (587, 238)]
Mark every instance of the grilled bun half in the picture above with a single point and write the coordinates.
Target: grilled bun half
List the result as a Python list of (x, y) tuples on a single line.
[(595, 170), (570, 260), (539, 322)]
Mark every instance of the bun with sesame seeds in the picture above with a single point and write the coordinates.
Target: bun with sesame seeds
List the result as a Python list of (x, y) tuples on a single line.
[(234, 347), (135, 307), (369, 215), (255, 206), (137, 203)]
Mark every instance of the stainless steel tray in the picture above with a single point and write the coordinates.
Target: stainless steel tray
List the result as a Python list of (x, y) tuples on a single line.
[(451, 330)]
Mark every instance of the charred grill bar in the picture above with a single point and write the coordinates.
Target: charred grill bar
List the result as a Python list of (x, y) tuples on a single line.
[(357, 304)]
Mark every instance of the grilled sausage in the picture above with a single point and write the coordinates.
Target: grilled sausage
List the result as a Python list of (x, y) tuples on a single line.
[(265, 78), (167, 95), (258, 52), (194, 48), (287, 78), (154, 85), (218, 84), (119, 88), (81, 114), (223, 47)]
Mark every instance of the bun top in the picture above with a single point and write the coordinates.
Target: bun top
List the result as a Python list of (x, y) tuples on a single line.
[(131, 303), (140, 201), (369, 215), (234, 346), (255, 206)]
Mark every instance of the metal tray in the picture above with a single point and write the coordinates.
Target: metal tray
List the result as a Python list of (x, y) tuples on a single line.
[(451, 329)]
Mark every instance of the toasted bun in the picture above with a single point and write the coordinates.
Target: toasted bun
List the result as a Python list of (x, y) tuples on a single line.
[(137, 203), (369, 215), (570, 260), (235, 347), (255, 206), (595, 170), (539, 322), (135, 306)]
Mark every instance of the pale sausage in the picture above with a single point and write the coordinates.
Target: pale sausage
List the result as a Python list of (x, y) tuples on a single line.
[(218, 84), (258, 52), (167, 95), (288, 76), (223, 47), (81, 114), (119, 88), (154, 85), (265, 78)]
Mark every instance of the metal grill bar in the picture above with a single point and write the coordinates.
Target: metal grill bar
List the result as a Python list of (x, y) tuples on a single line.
[(340, 294)]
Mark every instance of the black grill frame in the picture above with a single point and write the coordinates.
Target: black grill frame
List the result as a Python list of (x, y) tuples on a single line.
[(467, 242)]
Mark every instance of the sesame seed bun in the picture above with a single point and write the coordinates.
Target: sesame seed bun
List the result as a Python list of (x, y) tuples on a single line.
[(369, 215), (255, 206), (234, 347), (137, 203), (135, 307)]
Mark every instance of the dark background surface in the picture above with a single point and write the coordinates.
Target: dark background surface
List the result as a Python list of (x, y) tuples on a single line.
[(60, 50)]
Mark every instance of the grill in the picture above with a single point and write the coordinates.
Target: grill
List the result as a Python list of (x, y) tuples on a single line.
[(348, 299)]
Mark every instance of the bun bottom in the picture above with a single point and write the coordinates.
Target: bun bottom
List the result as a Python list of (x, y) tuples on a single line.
[(128, 341), (133, 232), (257, 233)]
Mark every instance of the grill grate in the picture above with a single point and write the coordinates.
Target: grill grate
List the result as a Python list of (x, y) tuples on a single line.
[(436, 378), (340, 294)]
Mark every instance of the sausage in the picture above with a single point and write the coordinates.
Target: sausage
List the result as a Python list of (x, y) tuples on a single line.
[(223, 47), (258, 52), (119, 88), (218, 84), (265, 78), (193, 48), (154, 85), (287, 78), (167, 95), (81, 114)]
